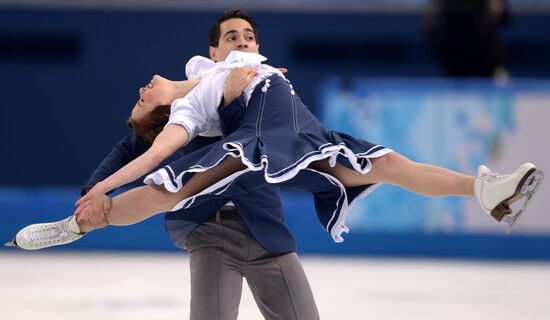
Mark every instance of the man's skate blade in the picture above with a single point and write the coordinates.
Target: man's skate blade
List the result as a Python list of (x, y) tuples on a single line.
[(528, 190)]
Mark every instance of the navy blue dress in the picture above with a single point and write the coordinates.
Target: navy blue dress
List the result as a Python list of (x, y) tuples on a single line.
[(277, 138)]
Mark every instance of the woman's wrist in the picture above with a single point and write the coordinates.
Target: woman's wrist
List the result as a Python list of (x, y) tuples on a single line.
[(102, 187)]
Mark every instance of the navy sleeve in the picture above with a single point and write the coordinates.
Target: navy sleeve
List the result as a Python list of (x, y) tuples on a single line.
[(231, 115), (126, 150)]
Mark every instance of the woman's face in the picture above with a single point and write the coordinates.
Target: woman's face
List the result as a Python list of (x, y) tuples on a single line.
[(158, 92)]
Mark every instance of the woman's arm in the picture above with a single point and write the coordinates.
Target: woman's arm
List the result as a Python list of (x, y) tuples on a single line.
[(167, 142), (126, 150)]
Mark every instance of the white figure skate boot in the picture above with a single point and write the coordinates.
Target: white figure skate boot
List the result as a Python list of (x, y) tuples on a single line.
[(44, 235), (497, 192)]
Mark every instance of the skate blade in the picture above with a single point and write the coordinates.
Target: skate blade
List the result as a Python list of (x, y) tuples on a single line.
[(528, 190), (10, 244)]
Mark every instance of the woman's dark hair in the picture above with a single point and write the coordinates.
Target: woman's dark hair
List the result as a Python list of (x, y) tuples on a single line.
[(152, 124), (214, 34)]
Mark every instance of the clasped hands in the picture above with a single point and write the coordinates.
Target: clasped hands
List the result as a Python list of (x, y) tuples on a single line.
[(92, 209)]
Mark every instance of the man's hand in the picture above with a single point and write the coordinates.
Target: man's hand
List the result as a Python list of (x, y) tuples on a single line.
[(237, 80), (94, 210)]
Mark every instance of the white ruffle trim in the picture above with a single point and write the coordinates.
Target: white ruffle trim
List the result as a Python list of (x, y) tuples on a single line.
[(235, 149)]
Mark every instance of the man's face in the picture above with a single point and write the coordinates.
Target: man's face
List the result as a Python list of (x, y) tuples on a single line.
[(235, 35)]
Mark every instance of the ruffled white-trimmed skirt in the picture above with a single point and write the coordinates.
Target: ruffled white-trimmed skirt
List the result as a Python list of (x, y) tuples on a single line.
[(277, 138)]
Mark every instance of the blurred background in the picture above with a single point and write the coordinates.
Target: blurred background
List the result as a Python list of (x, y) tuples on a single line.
[(452, 83)]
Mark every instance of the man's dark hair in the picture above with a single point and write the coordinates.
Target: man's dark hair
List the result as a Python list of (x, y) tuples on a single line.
[(152, 124), (214, 34)]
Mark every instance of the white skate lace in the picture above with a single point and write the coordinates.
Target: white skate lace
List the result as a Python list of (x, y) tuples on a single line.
[(49, 235), (493, 177)]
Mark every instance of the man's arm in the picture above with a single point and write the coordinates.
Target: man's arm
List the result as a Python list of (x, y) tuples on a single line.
[(232, 106), (237, 80), (172, 138), (126, 150)]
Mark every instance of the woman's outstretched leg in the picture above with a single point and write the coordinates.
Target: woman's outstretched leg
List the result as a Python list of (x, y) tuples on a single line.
[(494, 192), (127, 208), (395, 169)]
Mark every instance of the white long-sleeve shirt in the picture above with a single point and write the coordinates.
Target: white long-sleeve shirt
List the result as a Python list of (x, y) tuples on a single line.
[(197, 111)]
